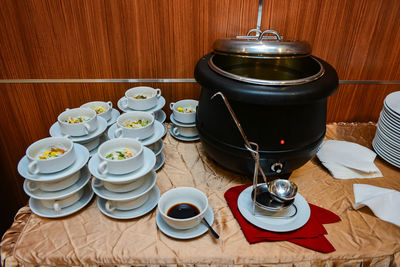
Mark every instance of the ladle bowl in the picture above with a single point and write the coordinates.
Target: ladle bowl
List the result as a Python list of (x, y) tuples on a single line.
[(266, 201), (282, 190)]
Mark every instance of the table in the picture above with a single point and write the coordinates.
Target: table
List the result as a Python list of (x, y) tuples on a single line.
[(89, 238)]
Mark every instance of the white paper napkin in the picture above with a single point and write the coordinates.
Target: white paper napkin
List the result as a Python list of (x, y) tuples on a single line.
[(347, 160), (383, 202)]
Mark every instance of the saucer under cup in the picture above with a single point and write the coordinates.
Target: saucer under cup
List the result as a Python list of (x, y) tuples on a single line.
[(102, 109), (110, 162), (133, 125), (42, 160), (141, 98), (77, 121), (184, 110), (183, 195), (53, 186)]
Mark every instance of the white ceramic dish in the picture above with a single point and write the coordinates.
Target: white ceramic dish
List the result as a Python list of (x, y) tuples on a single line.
[(182, 138), (199, 230), (149, 205), (53, 186), (148, 100), (245, 206), (107, 108), (160, 160), (384, 155), (81, 128), (188, 132), (37, 208), (141, 133), (158, 133), (160, 116), (160, 105), (122, 166), (51, 165), (149, 162), (183, 117), (102, 126), (178, 123), (149, 181), (40, 194), (82, 156), (124, 205), (180, 195)]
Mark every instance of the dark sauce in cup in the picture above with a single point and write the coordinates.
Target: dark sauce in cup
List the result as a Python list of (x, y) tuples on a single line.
[(183, 211)]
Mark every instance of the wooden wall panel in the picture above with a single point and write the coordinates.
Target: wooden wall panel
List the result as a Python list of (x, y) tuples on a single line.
[(164, 39)]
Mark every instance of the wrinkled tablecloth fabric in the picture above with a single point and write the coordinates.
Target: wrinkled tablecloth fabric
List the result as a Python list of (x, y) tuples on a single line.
[(91, 239)]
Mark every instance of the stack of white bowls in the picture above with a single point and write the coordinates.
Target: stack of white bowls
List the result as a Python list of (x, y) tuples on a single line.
[(139, 100), (387, 137), (183, 117), (144, 98), (125, 184), (57, 183), (89, 131)]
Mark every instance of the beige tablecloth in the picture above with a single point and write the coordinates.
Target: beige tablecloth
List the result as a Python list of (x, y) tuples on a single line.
[(90, 238)]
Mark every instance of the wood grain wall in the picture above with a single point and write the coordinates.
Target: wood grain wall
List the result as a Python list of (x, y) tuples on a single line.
[(163, 39)]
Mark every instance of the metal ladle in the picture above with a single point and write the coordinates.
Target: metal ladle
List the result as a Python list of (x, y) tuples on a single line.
[(282, 191)]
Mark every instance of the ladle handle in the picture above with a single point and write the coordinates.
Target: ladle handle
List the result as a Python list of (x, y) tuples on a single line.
[(254, 153)]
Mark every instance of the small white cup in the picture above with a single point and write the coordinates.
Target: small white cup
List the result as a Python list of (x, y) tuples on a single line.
[(35, 150), (120, 187), (112, 205), (120, 166), (81, 128), (58, 204), (151, 97), (140, 133), (183, 116), (102, 109), (183, 195), (185, 131), (54, 186)]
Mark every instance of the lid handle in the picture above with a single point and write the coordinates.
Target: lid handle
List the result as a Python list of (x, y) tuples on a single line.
[(278, 37)]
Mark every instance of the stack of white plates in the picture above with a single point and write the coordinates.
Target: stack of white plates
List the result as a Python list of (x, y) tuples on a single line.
[(387, 138)]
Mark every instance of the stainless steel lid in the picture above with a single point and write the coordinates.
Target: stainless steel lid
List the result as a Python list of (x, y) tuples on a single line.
[(265, 60), (262, 45)]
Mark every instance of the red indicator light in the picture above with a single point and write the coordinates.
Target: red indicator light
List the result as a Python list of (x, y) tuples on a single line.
[(282, 142)]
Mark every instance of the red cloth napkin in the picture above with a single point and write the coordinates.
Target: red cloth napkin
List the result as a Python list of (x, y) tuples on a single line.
[(311, 235)]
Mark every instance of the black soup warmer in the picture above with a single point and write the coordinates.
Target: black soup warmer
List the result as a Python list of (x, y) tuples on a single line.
[(279, 93)]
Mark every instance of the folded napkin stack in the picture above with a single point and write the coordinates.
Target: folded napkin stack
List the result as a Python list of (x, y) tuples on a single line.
[(347, 160), (311, 235), (383, 202)]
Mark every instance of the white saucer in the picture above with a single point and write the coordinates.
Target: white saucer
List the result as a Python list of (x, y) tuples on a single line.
[(37, 207), (160, 116), (157, 135), (160, 105), (183, 138), (150, 181), (149, 205), (41, 194), (185, 234), (114, 116), (55, 131), (149, 162), (82, 156), (160, 160), (245, 206), (181, 124), (157, 147)]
